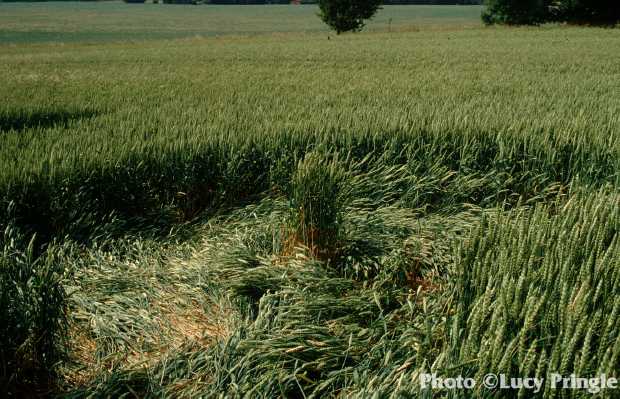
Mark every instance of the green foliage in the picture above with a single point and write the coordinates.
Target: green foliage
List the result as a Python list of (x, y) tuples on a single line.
[(530, 291), (468, 219), (536, 297), (81, 164), (533, 12), (516, 12), (594, 12), (318, 194), (32, 314), (347, 15)]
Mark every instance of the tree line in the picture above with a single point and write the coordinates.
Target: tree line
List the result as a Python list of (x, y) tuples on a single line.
[(534, 12), (350, 15)]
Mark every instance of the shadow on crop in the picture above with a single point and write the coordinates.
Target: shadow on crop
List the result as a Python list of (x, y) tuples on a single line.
[(19, 121)]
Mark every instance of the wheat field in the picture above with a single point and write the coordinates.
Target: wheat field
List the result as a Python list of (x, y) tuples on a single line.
[(253, 209)]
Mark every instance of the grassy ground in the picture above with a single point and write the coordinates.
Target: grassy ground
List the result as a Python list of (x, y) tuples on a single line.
[(116, 21), (286, 215)]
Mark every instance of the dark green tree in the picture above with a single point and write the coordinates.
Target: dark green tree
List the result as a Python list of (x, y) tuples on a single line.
[(593, 12), (347, 15), (516, 12)]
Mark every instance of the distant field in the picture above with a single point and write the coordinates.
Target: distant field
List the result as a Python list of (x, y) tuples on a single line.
[(269, 214), (117, 21)]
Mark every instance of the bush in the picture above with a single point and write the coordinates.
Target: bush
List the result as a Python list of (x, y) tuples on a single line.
[(515, 12), (533, 12), (347, 15), (595, 12)]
